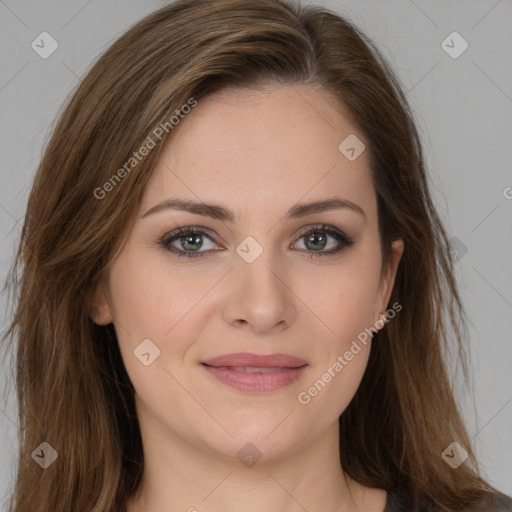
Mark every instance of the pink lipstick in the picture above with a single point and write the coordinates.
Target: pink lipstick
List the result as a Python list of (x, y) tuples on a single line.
[(254, 372)]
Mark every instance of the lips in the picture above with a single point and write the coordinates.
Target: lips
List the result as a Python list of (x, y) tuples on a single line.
[(250, 369), (246, 359), (256, 373)]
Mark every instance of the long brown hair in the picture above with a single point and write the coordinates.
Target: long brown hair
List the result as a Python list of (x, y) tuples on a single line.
[(72, 388)]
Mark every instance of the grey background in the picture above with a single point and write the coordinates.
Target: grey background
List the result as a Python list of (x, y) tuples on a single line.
[(463, 108)]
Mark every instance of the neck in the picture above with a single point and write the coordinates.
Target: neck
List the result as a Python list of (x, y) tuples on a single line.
[(188, 476)]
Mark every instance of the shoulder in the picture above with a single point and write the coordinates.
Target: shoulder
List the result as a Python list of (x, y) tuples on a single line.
[(496, 503), (400, 500)]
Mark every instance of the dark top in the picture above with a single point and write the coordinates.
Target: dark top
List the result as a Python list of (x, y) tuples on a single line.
[(399, 500)]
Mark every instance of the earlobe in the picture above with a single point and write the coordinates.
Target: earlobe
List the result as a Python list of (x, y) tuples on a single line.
[(100, 310), (389, 275)]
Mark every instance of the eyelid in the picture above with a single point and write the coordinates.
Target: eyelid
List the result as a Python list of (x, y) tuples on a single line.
[(344, 241), (319, 227), (190, 229)]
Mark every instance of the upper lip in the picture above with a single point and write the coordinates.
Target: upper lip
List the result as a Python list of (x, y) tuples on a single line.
[(246, 359)]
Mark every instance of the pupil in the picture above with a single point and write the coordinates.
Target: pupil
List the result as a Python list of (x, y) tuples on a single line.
[(316, 237), (192, 240)]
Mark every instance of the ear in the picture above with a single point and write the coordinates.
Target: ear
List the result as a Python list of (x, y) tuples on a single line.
[(100, 309), (387, 279)]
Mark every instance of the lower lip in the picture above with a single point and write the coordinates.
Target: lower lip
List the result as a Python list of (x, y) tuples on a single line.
[(258, 382)]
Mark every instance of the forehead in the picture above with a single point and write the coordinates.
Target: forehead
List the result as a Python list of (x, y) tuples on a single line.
[(255, 148)]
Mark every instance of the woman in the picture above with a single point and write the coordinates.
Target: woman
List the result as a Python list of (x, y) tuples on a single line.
[(235, 292)]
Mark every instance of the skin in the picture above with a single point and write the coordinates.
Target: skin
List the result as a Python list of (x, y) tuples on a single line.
[(257, 153)]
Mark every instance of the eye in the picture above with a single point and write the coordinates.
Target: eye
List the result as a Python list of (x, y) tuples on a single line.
[(316, 238), (187, 241)]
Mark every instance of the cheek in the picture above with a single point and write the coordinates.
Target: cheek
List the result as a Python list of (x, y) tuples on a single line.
[(347, 307), (347, 299), (153, 310), (152, 294), (333, 384), (155, 302)]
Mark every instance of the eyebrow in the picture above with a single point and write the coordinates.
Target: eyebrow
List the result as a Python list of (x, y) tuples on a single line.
[(218, 212)]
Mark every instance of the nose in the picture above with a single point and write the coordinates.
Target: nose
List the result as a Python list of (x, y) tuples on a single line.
[(258, 296)]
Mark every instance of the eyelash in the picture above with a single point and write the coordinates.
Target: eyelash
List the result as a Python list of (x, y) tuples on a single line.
[(344, 240)]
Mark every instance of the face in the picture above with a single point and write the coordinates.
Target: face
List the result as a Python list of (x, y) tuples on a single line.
[(273, 279)]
